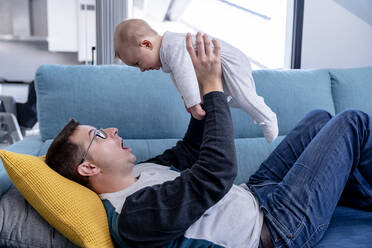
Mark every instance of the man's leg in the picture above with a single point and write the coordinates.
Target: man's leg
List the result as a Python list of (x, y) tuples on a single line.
[(358, 190), (301, 205), (276, 166)]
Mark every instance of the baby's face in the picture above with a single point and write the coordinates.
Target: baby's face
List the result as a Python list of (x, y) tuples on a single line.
[(144, 58)]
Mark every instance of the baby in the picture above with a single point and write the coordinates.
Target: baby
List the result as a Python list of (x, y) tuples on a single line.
[(137, 44)]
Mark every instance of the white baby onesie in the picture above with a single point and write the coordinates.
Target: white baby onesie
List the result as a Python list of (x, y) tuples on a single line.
[(237, 80)]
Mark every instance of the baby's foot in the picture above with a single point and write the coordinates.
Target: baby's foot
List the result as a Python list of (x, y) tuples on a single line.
[(196, 111), (270, 130)]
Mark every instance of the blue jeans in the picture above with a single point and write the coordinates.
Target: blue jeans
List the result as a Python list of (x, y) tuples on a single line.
[(323, 161)]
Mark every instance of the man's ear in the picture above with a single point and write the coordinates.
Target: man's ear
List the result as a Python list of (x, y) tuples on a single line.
[(88, 169), (146, 44)]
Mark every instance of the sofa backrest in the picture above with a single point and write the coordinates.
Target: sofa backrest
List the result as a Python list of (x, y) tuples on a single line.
[(108, 96), (292, 94), (151, 117), (147, 105), (352, 89)]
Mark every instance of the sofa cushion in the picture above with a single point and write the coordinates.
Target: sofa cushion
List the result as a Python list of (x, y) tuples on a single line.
[(137, 103), (352, 89), (348, 228), (72, 209), (5, 182), (291, 94), (21, 226), (250, 153)]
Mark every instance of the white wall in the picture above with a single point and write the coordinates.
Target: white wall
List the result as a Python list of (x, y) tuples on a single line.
[(20, 60), (335, 35)]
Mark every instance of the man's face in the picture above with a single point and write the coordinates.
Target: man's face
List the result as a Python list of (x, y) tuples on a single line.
[(109, 153), (144, 57)]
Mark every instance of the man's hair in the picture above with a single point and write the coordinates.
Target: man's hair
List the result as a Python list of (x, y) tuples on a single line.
[(64, 156), (130, 32)]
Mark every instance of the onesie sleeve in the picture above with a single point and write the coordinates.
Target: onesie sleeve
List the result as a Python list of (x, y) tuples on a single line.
[(182, 70), (157, 215)]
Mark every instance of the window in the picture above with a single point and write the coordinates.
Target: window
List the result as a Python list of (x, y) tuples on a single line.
[(262, 29)]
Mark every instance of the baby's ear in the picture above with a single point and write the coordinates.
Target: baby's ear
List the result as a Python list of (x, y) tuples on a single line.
[(146, 44)]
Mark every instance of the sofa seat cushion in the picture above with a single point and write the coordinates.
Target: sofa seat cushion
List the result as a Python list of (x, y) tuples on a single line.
[(349, 228), (251, 152), (352, 89), (74, 210)]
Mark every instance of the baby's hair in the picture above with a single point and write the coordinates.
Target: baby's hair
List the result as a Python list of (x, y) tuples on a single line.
[(130, 32)]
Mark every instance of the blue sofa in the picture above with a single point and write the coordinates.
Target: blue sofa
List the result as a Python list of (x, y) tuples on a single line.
[(150, 116)]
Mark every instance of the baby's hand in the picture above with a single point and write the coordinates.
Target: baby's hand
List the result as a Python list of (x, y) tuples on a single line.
[(196, 111)]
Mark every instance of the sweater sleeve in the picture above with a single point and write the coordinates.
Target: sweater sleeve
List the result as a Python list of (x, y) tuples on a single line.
[(154, 216)]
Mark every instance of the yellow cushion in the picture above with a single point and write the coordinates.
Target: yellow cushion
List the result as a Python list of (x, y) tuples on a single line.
[(74, 210)]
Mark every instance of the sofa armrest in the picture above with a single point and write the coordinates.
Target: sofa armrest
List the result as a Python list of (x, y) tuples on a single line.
[(29, 145)]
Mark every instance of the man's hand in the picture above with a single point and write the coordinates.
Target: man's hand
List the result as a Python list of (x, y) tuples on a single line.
[(196, 111), (207, 64)]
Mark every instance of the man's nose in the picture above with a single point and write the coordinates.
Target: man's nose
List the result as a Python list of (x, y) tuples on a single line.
[(112, 131)]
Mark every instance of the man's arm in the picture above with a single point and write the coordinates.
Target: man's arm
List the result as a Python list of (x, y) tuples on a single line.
[(157, 215), (186, 152)]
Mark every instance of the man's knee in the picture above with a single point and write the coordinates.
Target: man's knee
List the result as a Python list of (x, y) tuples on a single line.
[(352, 115), (318, 115)]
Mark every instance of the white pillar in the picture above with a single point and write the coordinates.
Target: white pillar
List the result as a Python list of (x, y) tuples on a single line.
[(109, 14)]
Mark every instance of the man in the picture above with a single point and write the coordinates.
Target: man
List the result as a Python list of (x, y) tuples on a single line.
[(288, 202)]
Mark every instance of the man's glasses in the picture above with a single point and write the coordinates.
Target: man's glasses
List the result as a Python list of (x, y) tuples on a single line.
[(97, 133)]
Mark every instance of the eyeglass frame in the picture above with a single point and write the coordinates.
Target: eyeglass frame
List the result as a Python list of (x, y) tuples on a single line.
[(97, 133)]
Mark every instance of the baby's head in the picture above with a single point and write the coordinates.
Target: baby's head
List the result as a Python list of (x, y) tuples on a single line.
[(137, 44)]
